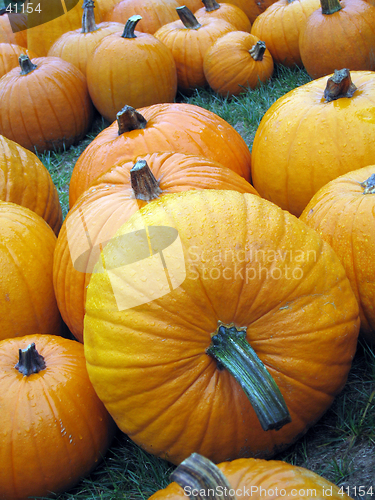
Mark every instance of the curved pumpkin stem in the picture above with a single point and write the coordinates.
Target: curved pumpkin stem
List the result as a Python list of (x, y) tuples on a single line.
[(339, 85), (130, 25), (199, 478), (211, 5), (232, 351), (129, 119), (257, 50), (143, 182), (88, 18), (187, 17), (29, 361), (369, 185), (25, 64), (330, 6)]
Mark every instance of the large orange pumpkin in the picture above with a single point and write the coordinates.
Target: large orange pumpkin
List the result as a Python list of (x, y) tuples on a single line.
[(28, 304), (54, 428), (188, 285), (343, 213), (312, 135), (180, 127), (112, 198)]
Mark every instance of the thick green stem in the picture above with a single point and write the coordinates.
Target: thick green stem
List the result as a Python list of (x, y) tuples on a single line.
[(233, 352), (143, 182), (257, 50), (25, 64), (339, 85), (202, 480), (88, 18), (29, 361), (211, 5), (130, 25), (369, 185), (330, 6), (187, 17), (129, 119)]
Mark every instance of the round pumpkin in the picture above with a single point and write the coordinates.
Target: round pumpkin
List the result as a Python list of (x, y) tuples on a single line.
[(9, 54), (112, 198), (229, 12), (28, 302), (204, 326), (26, 181), (54, 428), (161, 127), (236, 62), (312, 135), (343, 213)]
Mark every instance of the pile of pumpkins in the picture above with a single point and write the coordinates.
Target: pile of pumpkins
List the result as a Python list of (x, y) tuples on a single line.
[(216, 294)]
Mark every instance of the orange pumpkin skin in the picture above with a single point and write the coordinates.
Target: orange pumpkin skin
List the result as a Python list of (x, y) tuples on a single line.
[(175, 126), (54, 428), (9, 54), (40, 120), (228, 12), (26, 181), (252, 8), (6, 31), (260, 477), (303, 141), (108, 204), (344, 39), (344, 215), (192, 5), (27, 244), (156, 351), (279, 26), (230, 68)]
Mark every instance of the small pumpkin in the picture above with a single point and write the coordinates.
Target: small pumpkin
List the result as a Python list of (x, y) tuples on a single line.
[(229, 12), (187, 285), (9, 54), (45, 104), (26, 181), (235, 62), (54, 428), (343, 213), (27, 244), (161, 127)]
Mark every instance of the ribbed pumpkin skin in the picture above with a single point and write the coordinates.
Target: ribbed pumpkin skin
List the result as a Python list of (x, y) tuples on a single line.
[(280, 26), (228, 12), (136, 72), (344, 217), (154, 13), (181, 127), (109, 203), (6, 32), (26, 181), (303, 142), (173, 398), (9, 54), (345, 39), (27, 244), (54, 428), (46, 109), (230, 68)]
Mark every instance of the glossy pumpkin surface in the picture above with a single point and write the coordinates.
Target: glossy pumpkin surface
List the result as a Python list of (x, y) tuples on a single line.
[(229, 12), (54, 428), (240, 260), (303, 141)]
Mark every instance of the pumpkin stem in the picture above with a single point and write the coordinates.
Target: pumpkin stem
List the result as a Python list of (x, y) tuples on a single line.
[(143, 182), (29, 361), (330, 6), (130, 25), (25, 64), (232, 351), (211, 5), (187, 17), (369, 185), (129, 119), (88, 18), (197, 474), (339, 85), (257, 51)]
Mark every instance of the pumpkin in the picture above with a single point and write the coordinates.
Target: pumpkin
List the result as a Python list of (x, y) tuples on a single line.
[(235, 62), (158, 128), (132, 68), (312, 135), (189, 40), (13, 28), (112, 198), (46, 105), (188, 285), (197, 477), (28, 303), (192, 5), (54, 428), (279, 26), (9, 54), (26, 181), (76, 46), (252, 8), (341, 34), (229, 12), (343, 213), (154, 13)]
